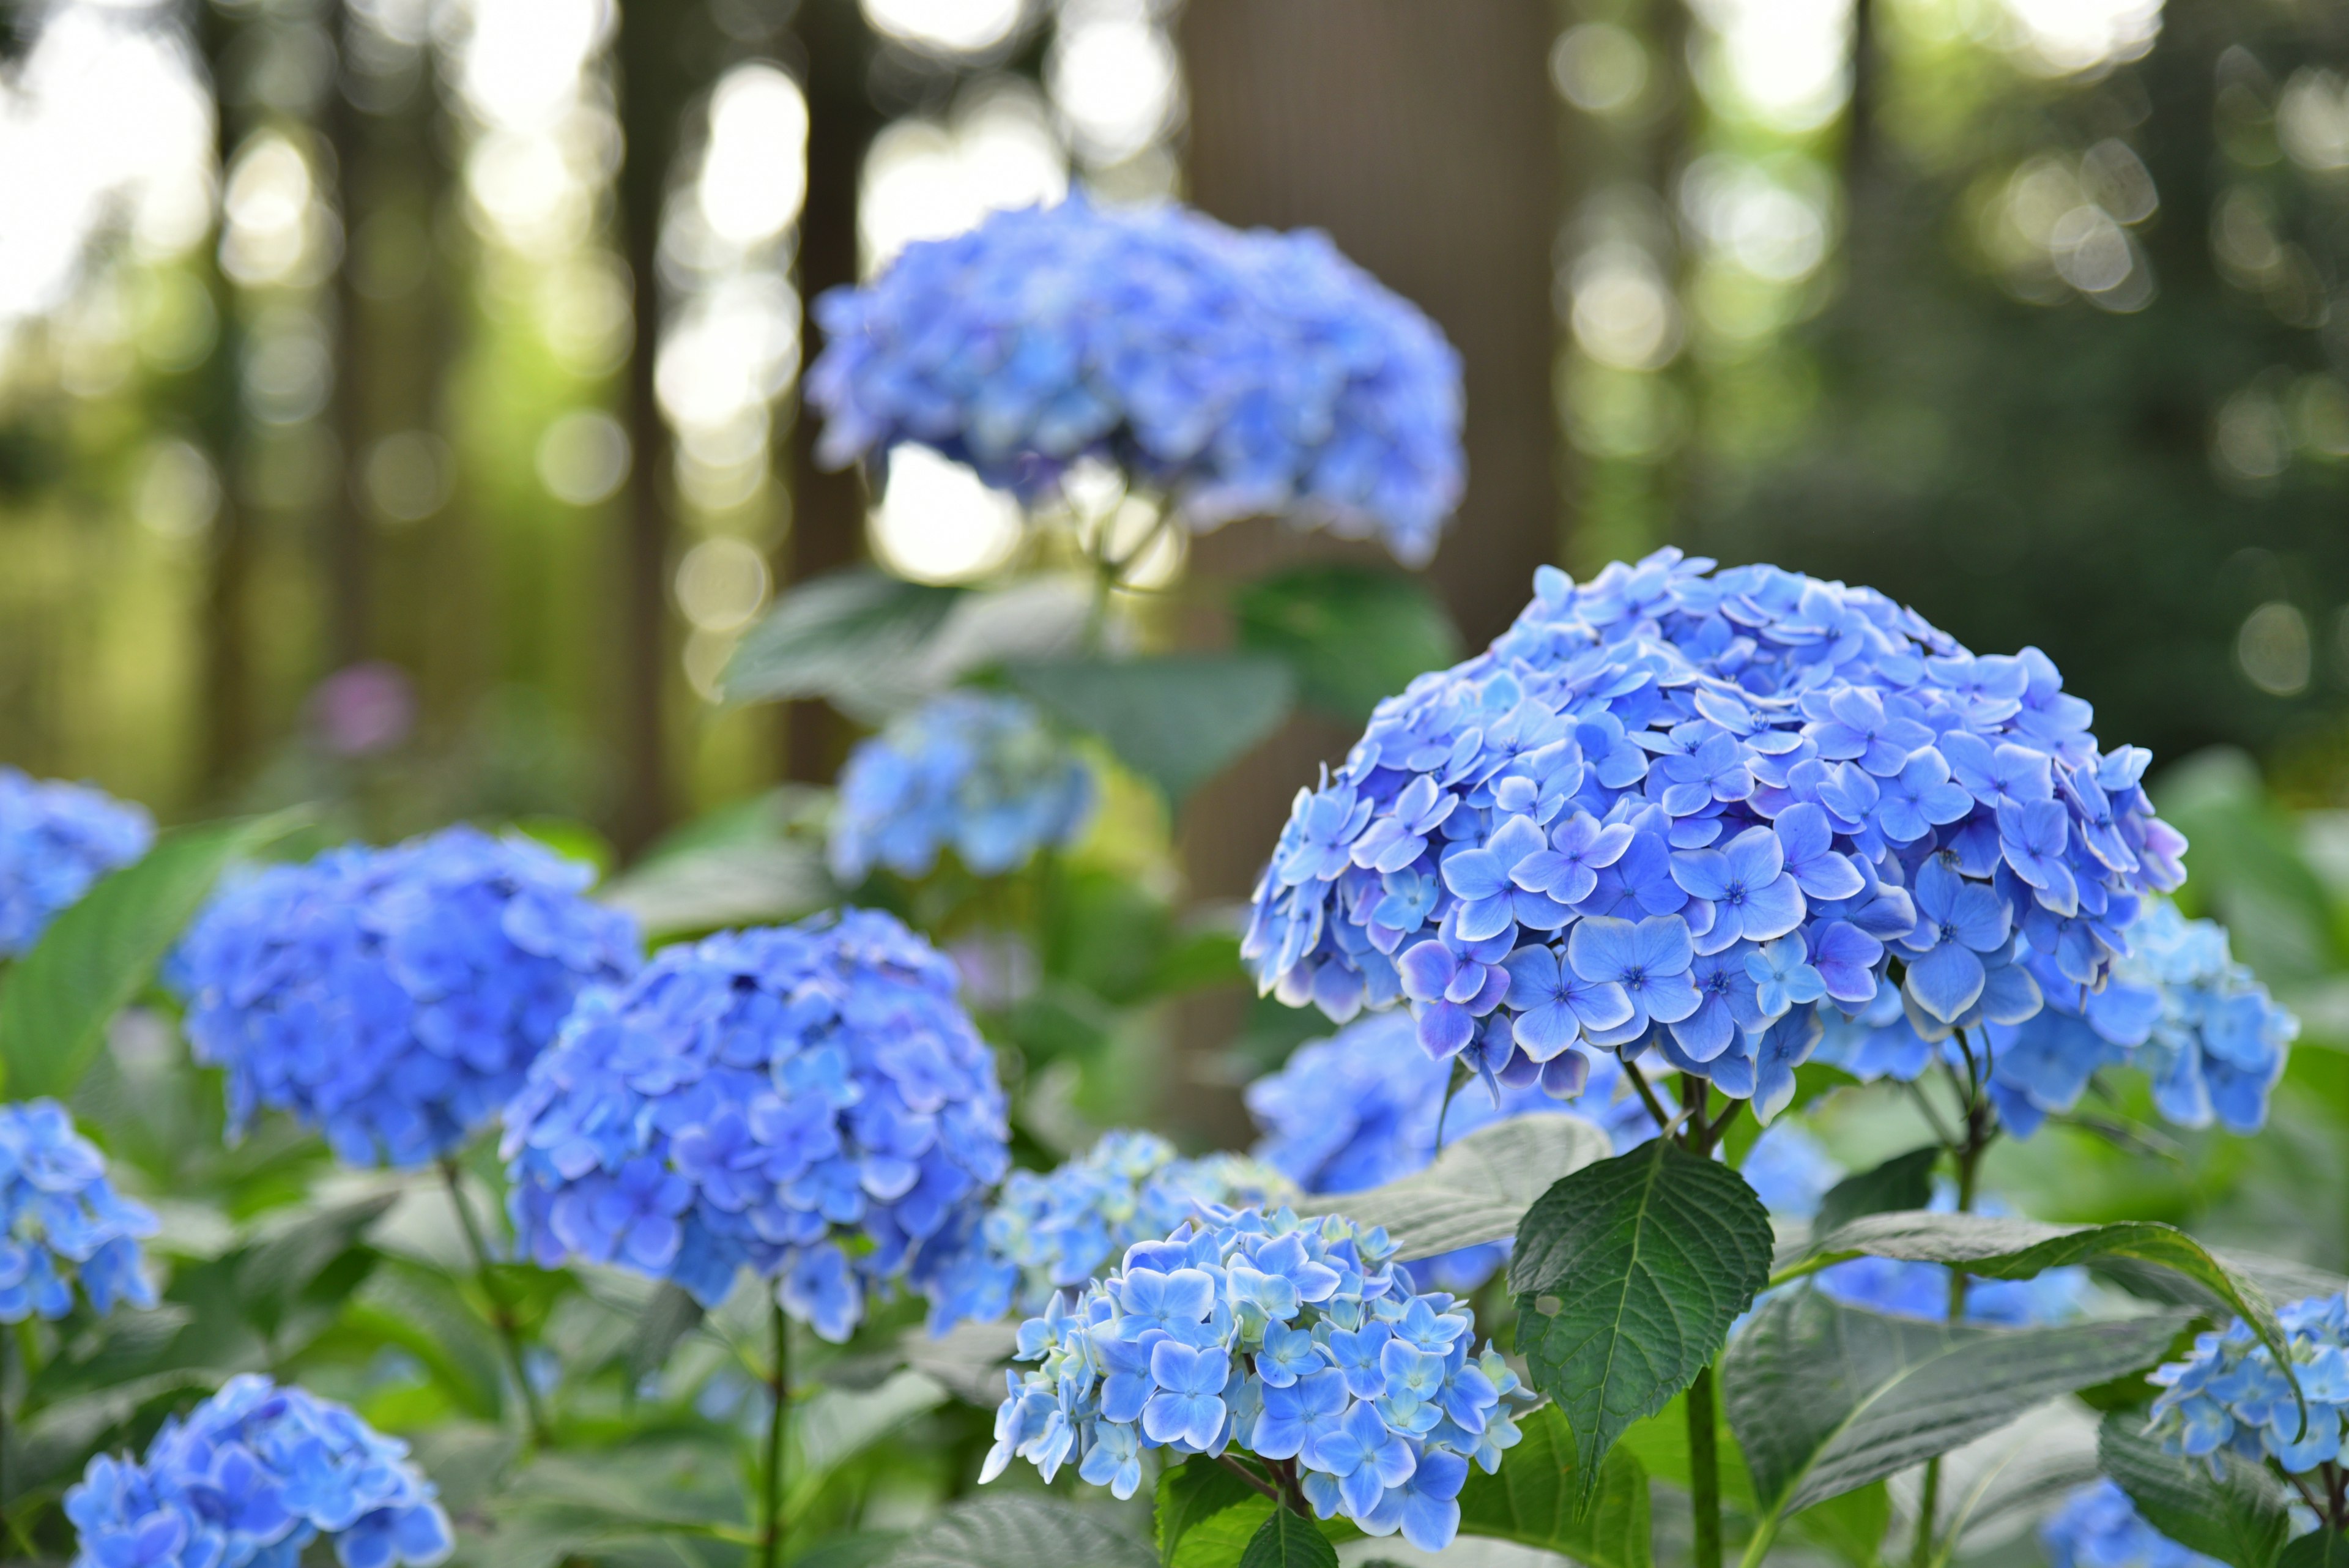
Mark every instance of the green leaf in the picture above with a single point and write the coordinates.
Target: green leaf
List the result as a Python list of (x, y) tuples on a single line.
[(829, 636), (97, 956), (1479, 1188), (1825, 1398), (1019, 1532), (2240, 1516), (2320, 1548), (1287, 1540), (1175, 720), (422, 1311), (1851, 1525), (1194, 1490), (1904, 1182), (670, 1316), (1354, 636), (1628, 1274), (1660, 1445), (737, 885), (1533, 1499)]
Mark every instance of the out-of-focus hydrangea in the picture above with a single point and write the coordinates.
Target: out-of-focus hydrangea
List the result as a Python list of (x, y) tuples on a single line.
[(979, 772), (1361, 1107), (1789, 1171), (808, 1102), (61, 1221), (2229, 1393), (394, 997), (1055, 1231), (1689, 810), (1243, 374), (1292, 1340), (55, 839), (251, 1477), (2099, 1527), (2176, 1005)]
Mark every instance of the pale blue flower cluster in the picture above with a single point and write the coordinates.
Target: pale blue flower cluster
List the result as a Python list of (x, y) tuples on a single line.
[(1243, 374), (1295, 1341), (55, 839), (1689, 810), (394, 997), (1055, 1231), (808, 1102), (61, 1221), (979, 772), (2099, 1527), (2231, 1394), (250, 1477), (2176, 1005)]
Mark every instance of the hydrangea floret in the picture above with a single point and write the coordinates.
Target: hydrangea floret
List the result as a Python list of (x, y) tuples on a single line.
[(2098, 1526), (1240, 374), (61, 1221), (251, 1477), (1295, 1341), (2230, 1394), (56, 840), (808, 1101), (393, 999), (1689, 810), (2176, 1006), (977, 772)]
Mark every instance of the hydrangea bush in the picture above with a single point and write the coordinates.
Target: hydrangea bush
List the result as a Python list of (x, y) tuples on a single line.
[(61, 1221), (2230, 1394), (55, 839), (1239, 373), (2098, 1526), (1295, 1341), (1689, 810), (393, 999), (977, 772), (808, 1102), (251, 1477)]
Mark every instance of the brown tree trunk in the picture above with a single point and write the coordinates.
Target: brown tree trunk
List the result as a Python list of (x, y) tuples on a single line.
[(348, 547), (229, 726)]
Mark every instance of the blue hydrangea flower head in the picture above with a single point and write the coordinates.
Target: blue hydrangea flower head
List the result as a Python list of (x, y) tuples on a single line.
[(2099, 1527), (394, 997), (808, 1101), (1241, 374), (2229, 1394), (248, 1479), (979, 772), (55, 839), (1691, 811), (61, 1221), (1054, 1230), (1293, 1340)]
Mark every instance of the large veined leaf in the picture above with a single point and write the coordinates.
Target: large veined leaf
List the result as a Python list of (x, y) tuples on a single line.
[(1995, 1488), (1016, 1532), (1825, 1398), (2320, 1548), (1177, 720), (1479, 1187), (2240, 1516), (1534, 1499), (1354, 636), (1287, 1540), (829, 636), (1628, 1274), (97, 955), (1191, 1493), (1904, 1182)]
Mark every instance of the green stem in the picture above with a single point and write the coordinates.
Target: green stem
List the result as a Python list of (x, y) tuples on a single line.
[(501, 1311), (770, 1538), (1704, 1471), (1982, 1126)]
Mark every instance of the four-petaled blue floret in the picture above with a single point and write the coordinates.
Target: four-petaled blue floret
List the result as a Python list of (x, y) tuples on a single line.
[(394, 997), (1297, 1341), (2231, 1394), (979, 772), (62, 1221), (1056, 1229), (1242, 374), (808, 1101), (2099, 1527), (250, 1477), (1689, 810), (55, 839)]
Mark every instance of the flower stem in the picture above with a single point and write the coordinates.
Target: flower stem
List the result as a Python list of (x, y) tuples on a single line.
[(1704, 1471), (1982, 1126), (771, 1536), (501, 1313)]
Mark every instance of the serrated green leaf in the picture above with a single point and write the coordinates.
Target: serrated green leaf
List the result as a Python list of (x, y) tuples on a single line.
[(830, 636), (1628, 1274), (1175, 720), (1019, 1532), (1825, 1398), (2240, 1516), (1287, 1540), (1904, 1182), (2320, 1548), (1533, 1499), (1354, 636), (1479, 1188), (670, 1316), (1191, 1492)]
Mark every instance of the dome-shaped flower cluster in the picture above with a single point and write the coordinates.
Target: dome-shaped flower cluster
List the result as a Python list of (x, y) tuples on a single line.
[(757, 1100), (1057, 1230), (394, 997), (55, 839), (979, 772), (61, 1221), (2229, 1393), (2176, 1005), (1244, 374), (249, 1479), (1687, 810), (2099, 1527), (1295, 1341)]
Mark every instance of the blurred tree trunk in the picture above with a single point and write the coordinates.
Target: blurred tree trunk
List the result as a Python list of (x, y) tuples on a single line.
[(348, 545), (229, 734)]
